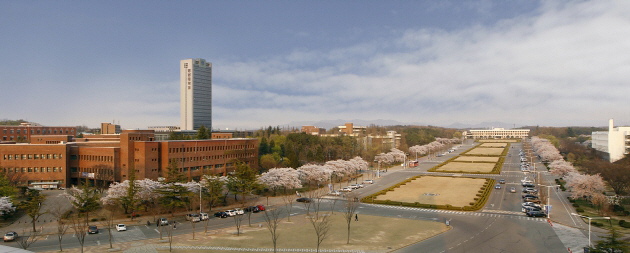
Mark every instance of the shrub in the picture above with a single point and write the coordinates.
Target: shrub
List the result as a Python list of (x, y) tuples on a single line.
[(579, 210), (576, 205), (597, 224), (103, 218), (572, 200), (618, 208), (94, 219), (624, 224), (472, 203)]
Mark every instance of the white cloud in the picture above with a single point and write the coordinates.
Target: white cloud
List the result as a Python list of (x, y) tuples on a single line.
[(567, 65)]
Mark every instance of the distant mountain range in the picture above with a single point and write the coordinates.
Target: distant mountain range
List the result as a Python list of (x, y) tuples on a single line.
[(328, 124)]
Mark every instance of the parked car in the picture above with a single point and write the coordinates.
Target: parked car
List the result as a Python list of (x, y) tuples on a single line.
[(346, 189), (530, 204), (252, 209), (163, 221), (533, 200), (529, 196), (121, 227), (204, 216), (231, 213), (334, 193), (221, 215), (512, 190), (92, 230), (529, 185), (498, 186), (369, 181), (529, 190), (239, 211), (357, 186), (536, 214), (531, 208), (305, 200), (261, 207), (501, 181), (10, 236)]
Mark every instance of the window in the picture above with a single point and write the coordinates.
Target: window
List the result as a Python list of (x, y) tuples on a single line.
[(47, 169), (32, 131), (11, 131), (72, 157), (4, 131), (30, 157), (48, 156), (36, 156), (38, 131), (23, 170), (36, 169), (73, 169), (18, 131), (23, 157), (54, 169), (30, 169)]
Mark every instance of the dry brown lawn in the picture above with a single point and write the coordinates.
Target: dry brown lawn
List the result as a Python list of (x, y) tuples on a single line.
[(506, 140), (493, 145), (450, 190), (485, 151), (476, 159), (467, 167)]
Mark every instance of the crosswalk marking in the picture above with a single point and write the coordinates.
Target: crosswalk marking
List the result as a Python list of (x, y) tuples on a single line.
[(132, 234), (483, 213)]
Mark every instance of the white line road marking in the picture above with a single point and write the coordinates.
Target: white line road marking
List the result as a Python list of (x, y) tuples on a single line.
[(98, 242), (156, 230)]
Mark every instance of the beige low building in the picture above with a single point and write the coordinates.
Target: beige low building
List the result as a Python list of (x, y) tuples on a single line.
[(496, 133)]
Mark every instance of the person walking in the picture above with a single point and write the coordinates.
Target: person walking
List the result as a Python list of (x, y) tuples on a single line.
[(356, 217)]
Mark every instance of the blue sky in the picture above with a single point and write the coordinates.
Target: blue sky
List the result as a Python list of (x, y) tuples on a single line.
[(434, 62)]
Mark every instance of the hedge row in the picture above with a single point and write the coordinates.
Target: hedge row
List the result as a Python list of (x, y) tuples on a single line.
[(442, 164), (480, 201)]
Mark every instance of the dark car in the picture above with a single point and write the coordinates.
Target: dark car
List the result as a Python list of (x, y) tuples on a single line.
[(92, 230), (536, 214), (531, 209), (221, 214), (306, 200), (529, 196), (253, 209), (529, 185), (261, 207)]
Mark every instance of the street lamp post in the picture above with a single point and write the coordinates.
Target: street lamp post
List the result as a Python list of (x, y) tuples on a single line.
[(199, 183), (589, 224), (548, 186)]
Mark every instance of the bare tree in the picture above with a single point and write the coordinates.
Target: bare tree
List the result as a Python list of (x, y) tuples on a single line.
[(169, 232), (272, 218), (62, 227), (80, 227), (321, 223), (250, 202), (349, 210), (321, 226), (193, 224), (205, 225), (103, 176), (27, 238), (288, 203), (108, 222), (238, 221)]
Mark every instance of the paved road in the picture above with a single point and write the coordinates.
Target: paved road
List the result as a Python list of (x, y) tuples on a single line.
[(499, 227)]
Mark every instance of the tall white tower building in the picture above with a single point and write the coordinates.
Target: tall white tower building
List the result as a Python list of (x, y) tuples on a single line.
[(195, 94)]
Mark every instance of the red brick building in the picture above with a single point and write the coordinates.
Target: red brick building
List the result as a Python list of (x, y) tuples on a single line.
[(24, 131), (61, 160)]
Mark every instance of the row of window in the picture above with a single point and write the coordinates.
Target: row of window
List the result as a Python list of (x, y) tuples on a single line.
[(32, 156), (33, 169), (213, 157), (95, 158), (206, 168), (209, 148), (101, 172), (53, 131)]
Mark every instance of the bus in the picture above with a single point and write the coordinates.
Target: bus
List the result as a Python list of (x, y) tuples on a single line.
[(413, 164)]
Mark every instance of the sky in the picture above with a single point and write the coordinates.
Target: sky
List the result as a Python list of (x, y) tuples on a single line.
[(547, 63)]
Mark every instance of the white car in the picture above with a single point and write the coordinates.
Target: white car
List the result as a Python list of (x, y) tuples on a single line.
[(121, 227), (163, 221), (369, 181), (204, 216), (356, 186), (346, 189), (231, 213), (239, 211), (334, 193), (530, 204)]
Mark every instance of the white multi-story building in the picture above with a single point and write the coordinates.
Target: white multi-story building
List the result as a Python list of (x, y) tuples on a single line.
[(496, 133), (614, 143), (388, 141), (195, 94)]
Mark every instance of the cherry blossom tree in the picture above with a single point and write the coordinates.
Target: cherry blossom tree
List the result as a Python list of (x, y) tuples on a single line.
[(561, 168), (585, 185), (276, 178), (314, 173), (6, 206), (399, 156)]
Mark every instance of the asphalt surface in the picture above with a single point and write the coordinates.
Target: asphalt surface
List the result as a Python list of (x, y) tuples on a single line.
[(499, 227)]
